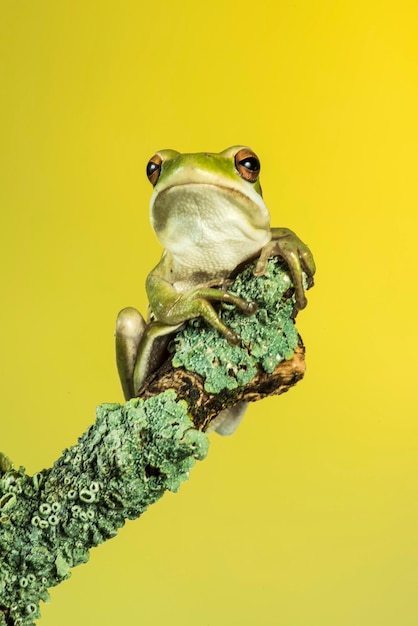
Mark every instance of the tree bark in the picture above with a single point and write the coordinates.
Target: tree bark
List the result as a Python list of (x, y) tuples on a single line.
[(205, 406)]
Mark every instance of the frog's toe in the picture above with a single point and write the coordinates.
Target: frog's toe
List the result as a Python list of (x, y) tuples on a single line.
[(301, 300), (251, 308), (261, 266), (232, 337), (309, 281)]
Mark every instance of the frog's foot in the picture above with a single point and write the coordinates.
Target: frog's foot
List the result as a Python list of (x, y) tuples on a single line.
[(247, 306), (152, 351), (196, 303), (130, 327), (286, 244), (228, 420)]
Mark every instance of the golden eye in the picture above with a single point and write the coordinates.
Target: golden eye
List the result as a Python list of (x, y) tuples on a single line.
[(247, 164), (154, 169)]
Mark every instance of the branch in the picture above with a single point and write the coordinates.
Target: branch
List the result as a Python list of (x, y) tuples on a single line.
[(136, 451)]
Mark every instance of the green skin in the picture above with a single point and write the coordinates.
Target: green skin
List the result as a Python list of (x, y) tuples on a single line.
[(208, 213)]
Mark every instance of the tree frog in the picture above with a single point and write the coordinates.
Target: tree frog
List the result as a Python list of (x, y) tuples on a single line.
[(208, 213)]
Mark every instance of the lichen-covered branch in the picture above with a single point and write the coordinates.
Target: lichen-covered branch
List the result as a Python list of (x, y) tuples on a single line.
[(212, 375), (136, 451), (121, 465)]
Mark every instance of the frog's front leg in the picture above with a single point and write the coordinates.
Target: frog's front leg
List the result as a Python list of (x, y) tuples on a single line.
[(172, 308), (286, 244)]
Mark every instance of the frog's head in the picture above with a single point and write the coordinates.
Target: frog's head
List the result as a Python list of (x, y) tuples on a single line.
[(208, 200)]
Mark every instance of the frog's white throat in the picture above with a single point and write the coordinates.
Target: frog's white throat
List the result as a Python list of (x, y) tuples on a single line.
[(208, 230)]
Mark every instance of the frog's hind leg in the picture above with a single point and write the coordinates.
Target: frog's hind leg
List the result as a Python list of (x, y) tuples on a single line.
[(130, 328), (152, 351), (228, 420)]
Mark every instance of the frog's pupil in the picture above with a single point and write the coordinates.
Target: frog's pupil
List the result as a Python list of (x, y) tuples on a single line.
[(151, 168), (251, 163)]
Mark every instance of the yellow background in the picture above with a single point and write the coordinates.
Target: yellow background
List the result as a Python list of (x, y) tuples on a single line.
[(309, 514)]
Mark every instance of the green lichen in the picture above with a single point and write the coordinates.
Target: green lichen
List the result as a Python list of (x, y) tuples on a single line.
[(268, 337), (122, 464)]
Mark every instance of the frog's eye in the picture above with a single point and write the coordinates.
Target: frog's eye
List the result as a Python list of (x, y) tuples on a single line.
[(247, 164), (154, 169)]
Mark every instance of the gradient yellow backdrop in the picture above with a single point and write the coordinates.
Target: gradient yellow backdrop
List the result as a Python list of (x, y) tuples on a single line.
[(308, 516)]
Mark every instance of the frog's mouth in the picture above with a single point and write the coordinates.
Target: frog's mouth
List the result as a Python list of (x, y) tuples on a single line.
[(197, 209), (202, 223)]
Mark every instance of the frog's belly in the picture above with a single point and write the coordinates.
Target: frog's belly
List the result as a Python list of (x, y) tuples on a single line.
[(207, 263)]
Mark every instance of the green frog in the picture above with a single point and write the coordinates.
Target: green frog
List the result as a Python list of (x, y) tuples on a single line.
[(208, 213)]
